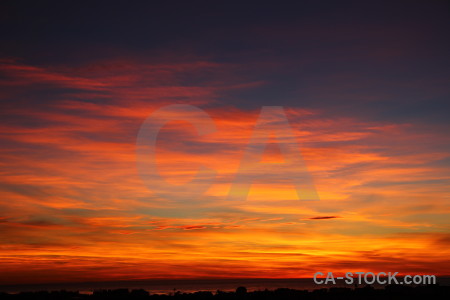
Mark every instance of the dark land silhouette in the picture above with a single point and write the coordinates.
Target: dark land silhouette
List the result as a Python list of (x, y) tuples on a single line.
[(368, 292)]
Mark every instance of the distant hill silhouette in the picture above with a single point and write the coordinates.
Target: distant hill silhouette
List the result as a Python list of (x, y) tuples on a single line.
[(389, 292)]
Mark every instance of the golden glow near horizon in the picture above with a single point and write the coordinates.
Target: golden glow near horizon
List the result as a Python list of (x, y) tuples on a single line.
[(73, 207)]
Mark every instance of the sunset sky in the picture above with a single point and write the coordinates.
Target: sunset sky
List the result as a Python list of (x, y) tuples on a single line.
[(365, 88)]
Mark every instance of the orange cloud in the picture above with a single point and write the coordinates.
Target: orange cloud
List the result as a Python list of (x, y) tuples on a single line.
[(74, 208)]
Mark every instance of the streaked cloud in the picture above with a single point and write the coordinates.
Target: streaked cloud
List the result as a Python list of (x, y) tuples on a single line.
[(74, 208)]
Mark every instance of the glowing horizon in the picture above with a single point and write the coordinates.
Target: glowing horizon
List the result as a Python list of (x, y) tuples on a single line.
[(75, 202)]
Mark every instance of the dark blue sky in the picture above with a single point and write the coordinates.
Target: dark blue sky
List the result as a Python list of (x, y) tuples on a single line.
[(388, 60)]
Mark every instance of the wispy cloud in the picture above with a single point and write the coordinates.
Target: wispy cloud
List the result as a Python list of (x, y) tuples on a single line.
[(74, 207), (324, 218)]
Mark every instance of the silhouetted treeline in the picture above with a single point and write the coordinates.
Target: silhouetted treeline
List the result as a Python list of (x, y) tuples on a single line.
[(389, 292)]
